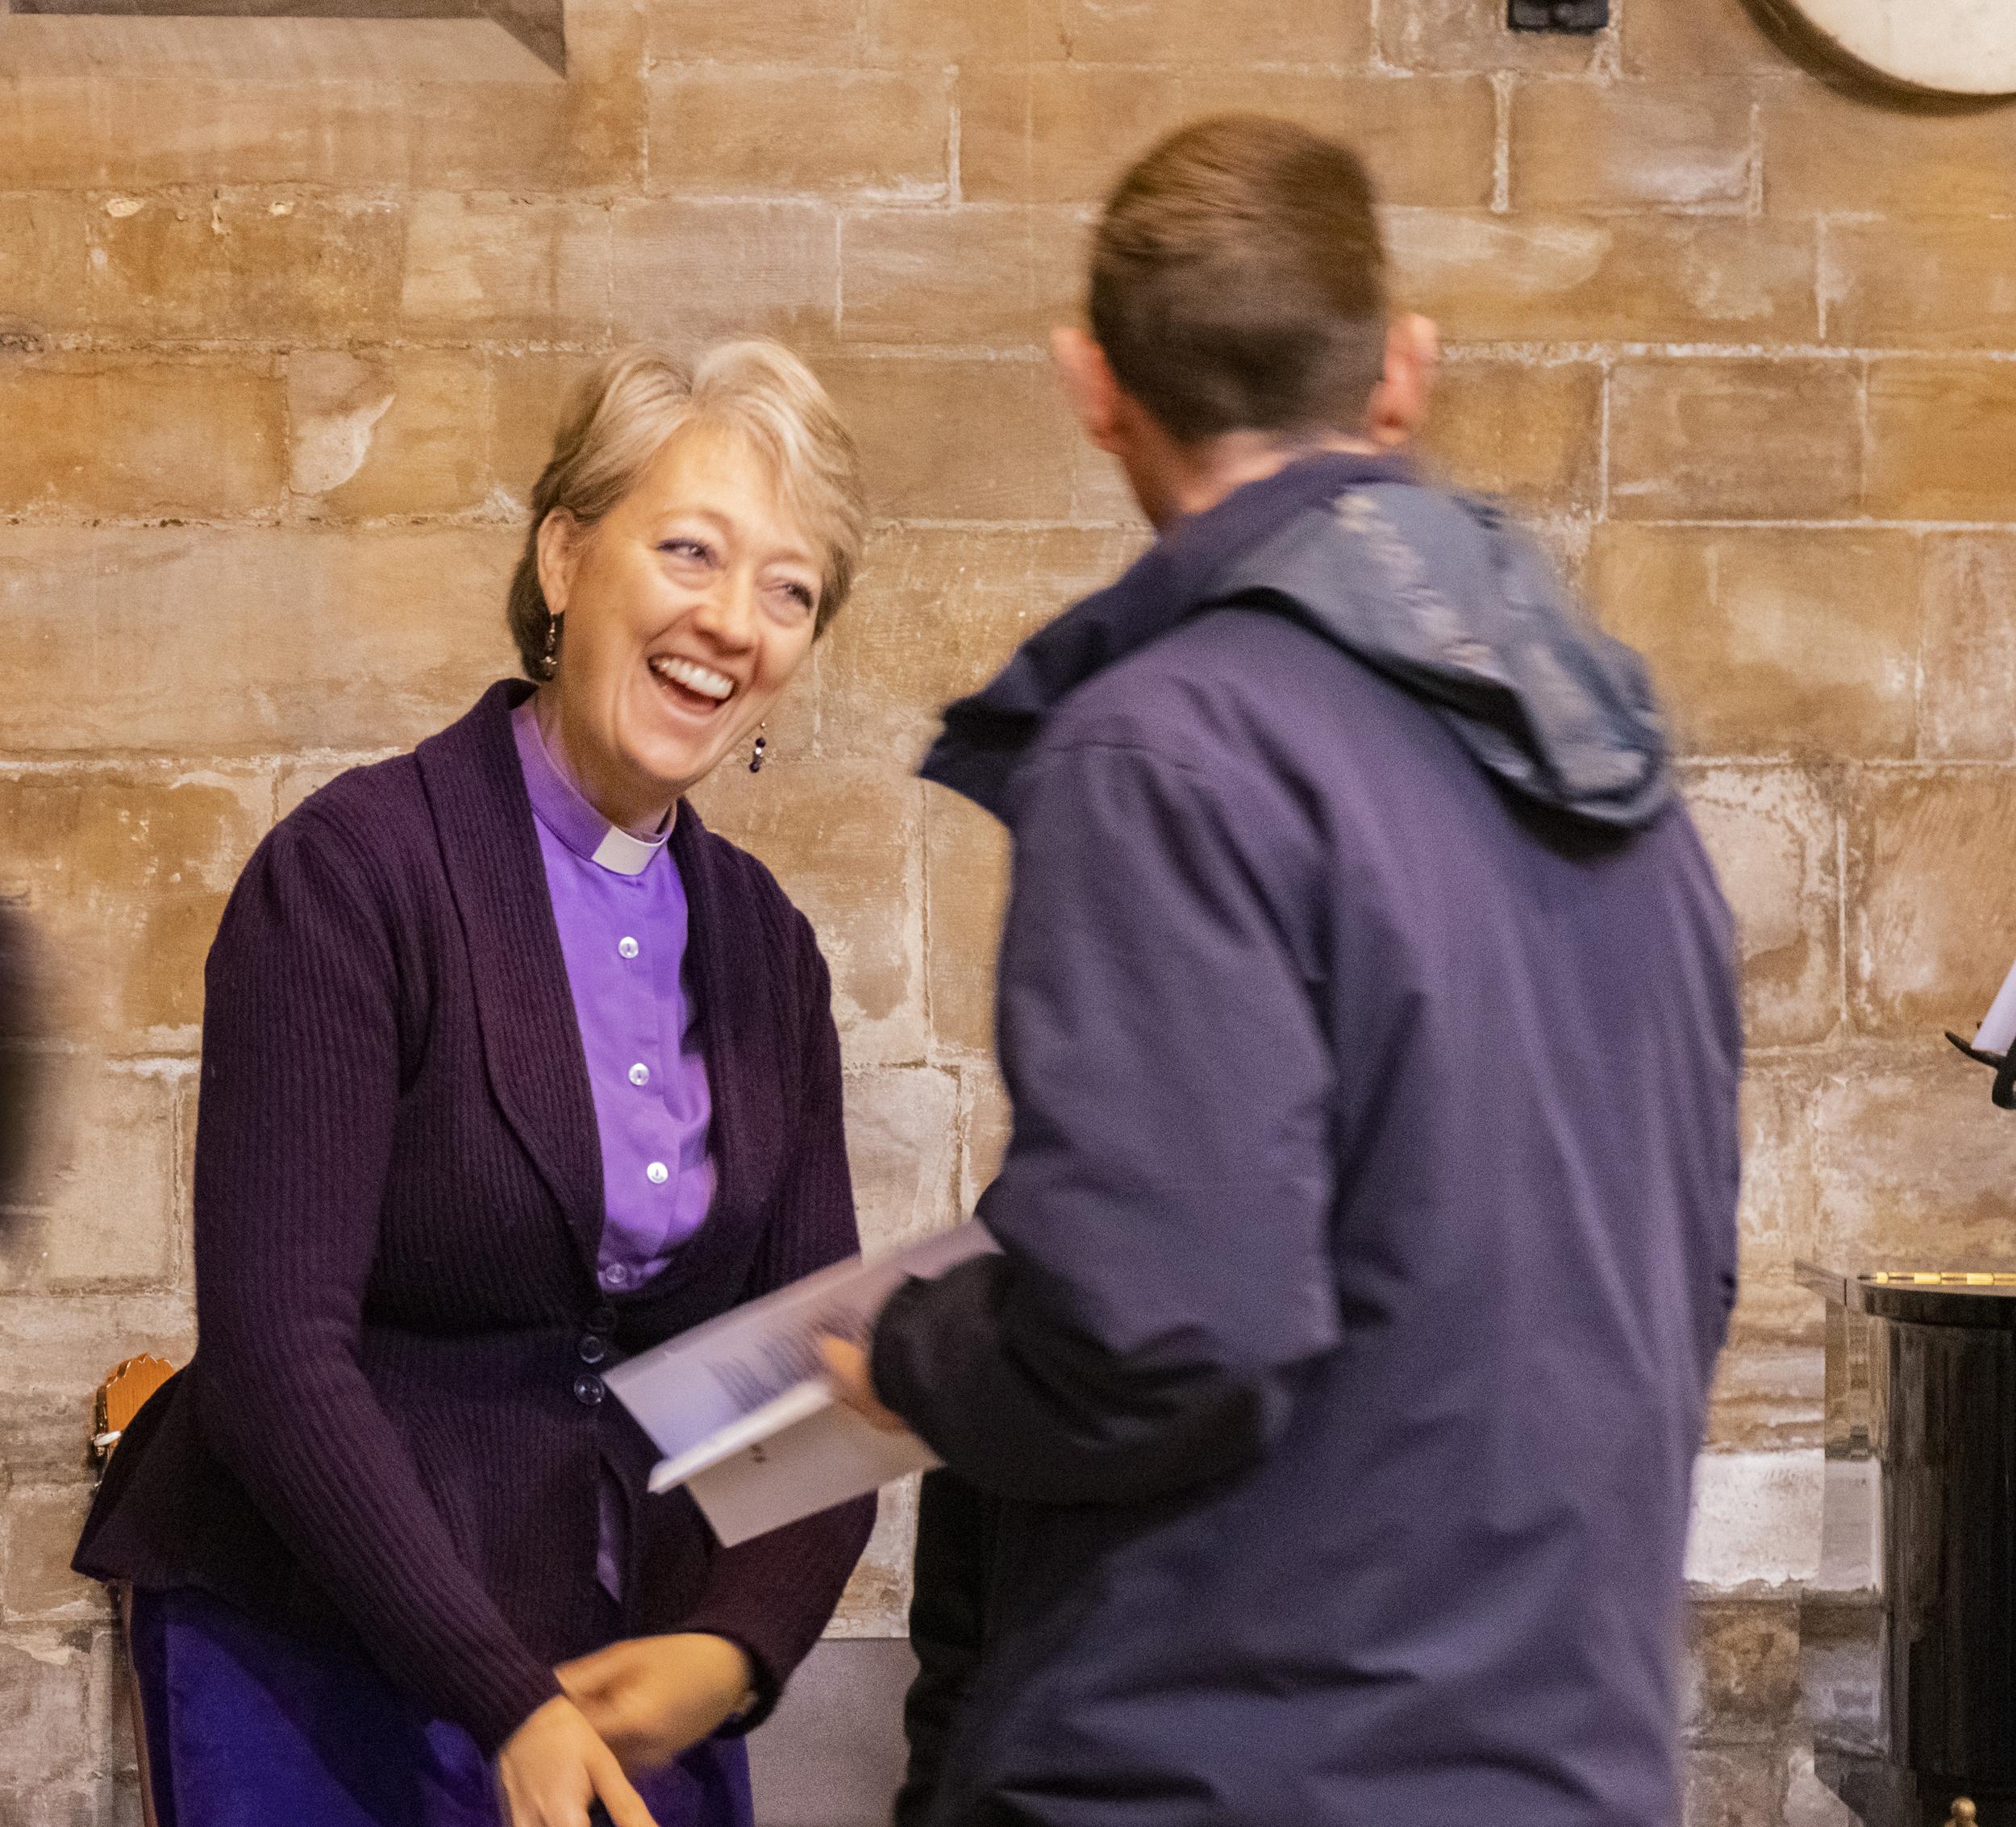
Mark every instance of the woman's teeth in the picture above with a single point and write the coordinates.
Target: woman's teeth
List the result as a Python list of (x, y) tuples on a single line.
[(694, 676)]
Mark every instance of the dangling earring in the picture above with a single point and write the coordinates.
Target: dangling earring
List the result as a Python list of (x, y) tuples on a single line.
[(549, 660), (762, 748)]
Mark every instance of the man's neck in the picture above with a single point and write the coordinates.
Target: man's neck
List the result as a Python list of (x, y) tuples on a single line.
[(1195, 478)]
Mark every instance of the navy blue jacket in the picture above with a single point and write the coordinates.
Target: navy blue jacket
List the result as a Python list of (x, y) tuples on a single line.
[(1367, 1004)]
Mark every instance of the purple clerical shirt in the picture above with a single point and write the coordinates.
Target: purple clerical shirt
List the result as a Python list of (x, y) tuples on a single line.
[(621, 909)]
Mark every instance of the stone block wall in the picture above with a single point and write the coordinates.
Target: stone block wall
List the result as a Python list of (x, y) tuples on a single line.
[(286, 310)]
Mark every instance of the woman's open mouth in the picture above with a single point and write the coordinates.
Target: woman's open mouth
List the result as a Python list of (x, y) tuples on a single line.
[(697, 690)]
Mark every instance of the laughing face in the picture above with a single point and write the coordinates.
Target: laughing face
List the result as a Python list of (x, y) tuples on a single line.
[(685, 611)]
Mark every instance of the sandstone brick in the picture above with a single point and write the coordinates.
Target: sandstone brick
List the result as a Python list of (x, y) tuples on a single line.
[(1631, 145), (1200, 31), (783, 31), (1937, 283), (845, 839), (1734, 441), (42, 266), (393, 435), (688, 273), (945, 439), (877, 1601), (929, 32), (100, 1194), (1454, 167), (43, 1524), (528, 396), (1534, 432), (44, 1684), (987, 275), (54, 1354), (1940, 433), (1471, 34), (136, 436), (1931, 926), (1968, 668), (506, 267), (1769, 641), (1743, 1668), (215, 267), (1586, 278), (1773, 836), (384, 636), (871, 132), (902, 1141), (966, 889), (936, 614), (1824, 147), (1702, 38), (985, 1123), (1911, 1166), (124, 875), (1064, 132), (1739, 1786)]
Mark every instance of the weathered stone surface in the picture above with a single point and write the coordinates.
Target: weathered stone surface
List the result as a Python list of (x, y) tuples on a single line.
[(43, 1524), (1930, 931), (966, 886), (386, 437), (99, 1199), (877, 1601), (689, 272), (903, 1139), (992, 275), (1939, 435), (1968, 668), (926, 32), (936, 613), (985, 1122), (135, 436), (300, 640), (1199, 32), (1572, 278), (508, 267), (1734, 441), (825, 32), (856, 132), (1937, 283), (1470, 34), (1773, 836), (1629, 145), (205, 266), (1534, 433), (44, 1682), (1768, 641), (845, 839), (1823, 145), (1721, 37), (1743, 1669), (1737, 1786), (125, 875), (42, 265)]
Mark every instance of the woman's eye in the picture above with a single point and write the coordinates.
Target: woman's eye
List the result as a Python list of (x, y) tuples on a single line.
[(694, 549), (802, 594)]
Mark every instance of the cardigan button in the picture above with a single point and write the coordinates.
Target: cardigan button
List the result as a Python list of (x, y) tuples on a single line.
[(593, 1350), (589, 1390)]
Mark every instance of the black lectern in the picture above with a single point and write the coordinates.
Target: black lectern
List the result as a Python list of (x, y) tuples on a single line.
[(1922, 1388)]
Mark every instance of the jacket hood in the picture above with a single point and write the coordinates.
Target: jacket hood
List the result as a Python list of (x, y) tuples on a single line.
[(1437, 592)]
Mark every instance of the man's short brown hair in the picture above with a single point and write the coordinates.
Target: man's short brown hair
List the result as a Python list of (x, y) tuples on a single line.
[(1238, 281)]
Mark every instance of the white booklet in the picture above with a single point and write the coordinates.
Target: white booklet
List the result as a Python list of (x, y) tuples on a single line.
[(741, 1410)]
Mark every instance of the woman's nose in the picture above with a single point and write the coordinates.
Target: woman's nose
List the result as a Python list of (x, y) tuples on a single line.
[(727, 612)]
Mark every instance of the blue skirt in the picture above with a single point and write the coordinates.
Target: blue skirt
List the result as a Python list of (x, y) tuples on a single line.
[(247, 1728)]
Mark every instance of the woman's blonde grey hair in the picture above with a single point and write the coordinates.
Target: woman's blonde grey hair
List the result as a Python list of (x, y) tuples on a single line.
[(631, 405)]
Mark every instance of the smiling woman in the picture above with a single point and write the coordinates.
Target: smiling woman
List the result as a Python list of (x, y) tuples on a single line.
[(511, 1068)]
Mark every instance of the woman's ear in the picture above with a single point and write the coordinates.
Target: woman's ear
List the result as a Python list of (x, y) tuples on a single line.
[(1399, 404), (559, 551)]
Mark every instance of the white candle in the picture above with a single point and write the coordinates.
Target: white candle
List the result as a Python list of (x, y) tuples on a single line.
[(1998, 1026)]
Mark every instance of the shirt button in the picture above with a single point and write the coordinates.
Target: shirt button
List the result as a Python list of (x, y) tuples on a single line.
[(615, 1275), (640, 1074), (626, 947), (589, 1389), (657, 1173)]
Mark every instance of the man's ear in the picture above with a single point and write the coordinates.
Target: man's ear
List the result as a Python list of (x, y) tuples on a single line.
[(1399, 404), (1089, 384), (559, 550)]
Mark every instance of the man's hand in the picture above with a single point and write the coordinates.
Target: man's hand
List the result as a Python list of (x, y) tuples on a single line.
[(651, 1698), (847, 1370), (554, 1768)]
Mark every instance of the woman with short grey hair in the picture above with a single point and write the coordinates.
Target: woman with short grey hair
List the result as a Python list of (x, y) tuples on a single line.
[(511, 1069)]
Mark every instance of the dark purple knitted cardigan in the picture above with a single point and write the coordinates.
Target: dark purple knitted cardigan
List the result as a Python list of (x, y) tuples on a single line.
[(390, 1429)]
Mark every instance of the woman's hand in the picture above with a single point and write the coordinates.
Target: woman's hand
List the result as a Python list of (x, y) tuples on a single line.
[(554, 1766), (653, 1697), (847, 1370)]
